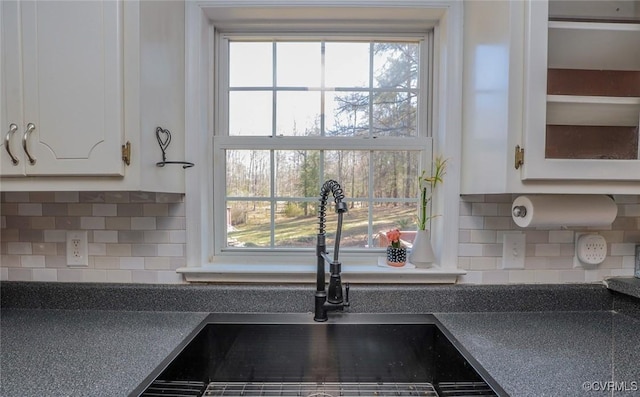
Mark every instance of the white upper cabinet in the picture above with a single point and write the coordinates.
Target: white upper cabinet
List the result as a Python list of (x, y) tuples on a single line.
[(560, 81), (582, 91), (62, 87)]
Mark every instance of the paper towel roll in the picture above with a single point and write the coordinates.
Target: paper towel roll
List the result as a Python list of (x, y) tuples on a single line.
[(563, 210)]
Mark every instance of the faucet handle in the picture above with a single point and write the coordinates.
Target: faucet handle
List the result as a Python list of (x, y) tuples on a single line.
[(346, 294)]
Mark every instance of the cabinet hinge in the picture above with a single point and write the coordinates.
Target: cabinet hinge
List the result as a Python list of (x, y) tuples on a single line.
[(126, 153), (519, 157)]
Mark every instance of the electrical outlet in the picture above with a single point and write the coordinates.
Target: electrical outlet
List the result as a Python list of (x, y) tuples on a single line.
[(591, 250), (513, 250), (77, 249)]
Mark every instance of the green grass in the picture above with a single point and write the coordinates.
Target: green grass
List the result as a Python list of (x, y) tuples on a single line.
[(301, 231)]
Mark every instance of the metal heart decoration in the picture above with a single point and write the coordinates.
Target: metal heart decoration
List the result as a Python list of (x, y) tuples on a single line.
[(164, 138)]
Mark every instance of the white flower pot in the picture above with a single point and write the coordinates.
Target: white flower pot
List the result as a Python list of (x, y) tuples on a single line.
[(422, 252)]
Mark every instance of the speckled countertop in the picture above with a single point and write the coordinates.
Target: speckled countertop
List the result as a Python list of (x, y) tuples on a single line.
[(85, 352), (533, 340), (553, 353)]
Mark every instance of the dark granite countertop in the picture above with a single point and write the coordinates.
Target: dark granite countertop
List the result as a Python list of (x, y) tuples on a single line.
[(624, 285), (85, 352), (553, 353)]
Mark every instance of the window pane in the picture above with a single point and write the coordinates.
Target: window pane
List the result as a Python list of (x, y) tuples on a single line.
[(297, 173), (351, 169), (347, 114), (395, 65), (250, 64), (248, 224), (355, 226), (296, 224), (387, 216), (248, 173), (298, 64), (298, 113), (395, 114), (347, 65), (250, 113), (395, 174)]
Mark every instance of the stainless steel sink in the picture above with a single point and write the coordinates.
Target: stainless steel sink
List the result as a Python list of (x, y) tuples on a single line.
[(291, 355)]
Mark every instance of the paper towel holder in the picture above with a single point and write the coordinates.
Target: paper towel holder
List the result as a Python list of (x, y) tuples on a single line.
[(520, 211)]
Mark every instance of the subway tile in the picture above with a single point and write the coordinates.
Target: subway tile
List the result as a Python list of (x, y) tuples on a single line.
[(155, 209), (560, 262), (7, 235), (464, 236), (547, 276), (483, 236), (536, 263), (16, 197), (177, 262), (67, 222), (625, 223), (473, 198), (500, 198), (19, 248), (118, 250), (471, 222), (143, 223), (44, 248), (170, 249), (611, 262), (55, 209), (504, 209), (627, 199), (106, 262), (132, 263), (628, 262), (3, 222), (92, 223), (169, 197), (104, 210), (547, 250), (178, 236), (45, 275), (80, 209), (171, 223), (94, 275), (118, 223), (17, 222), (70, 275), (613, 236), (131, 236), (484, 263), (492, 250), (177, 209), (521, 276), (43, 222), (631, 236), (31, 235), (495, 277), (32, 261), (170, 277), (92, 197), (158, 236), (66, 197), (142, 197), (144, 276), (9, 209), (622, 273), (157, 263), (116, 197), (561, 236), (629, 210), (119, 276), (623, 249), (129, 210), (498, 223), (97, 249), (484, 209), (30, 209), (41, 197), (105, 236), (567, 250), (472, 277), (571, 276), (537, 236), (4, 274), (10, 260), (464, 262), (144, 249), (55, 236), (469, 249), (55, 262), (465, 208), (20, 274)]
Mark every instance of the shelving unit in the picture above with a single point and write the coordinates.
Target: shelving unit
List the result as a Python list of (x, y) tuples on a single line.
[(593, 110)]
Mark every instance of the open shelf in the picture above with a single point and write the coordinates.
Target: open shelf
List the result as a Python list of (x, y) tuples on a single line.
[(593, 110)]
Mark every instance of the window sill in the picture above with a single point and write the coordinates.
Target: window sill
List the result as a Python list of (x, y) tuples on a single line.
[(306, 274)]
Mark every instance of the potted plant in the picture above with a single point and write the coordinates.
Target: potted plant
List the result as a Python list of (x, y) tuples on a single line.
[(422, 252), (396, 253)]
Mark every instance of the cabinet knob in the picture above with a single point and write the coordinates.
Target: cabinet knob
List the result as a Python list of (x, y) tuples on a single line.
[(30, 128), (7, 145)]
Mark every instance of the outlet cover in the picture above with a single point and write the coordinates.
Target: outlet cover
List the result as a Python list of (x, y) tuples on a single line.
[(513, 250), (77, 249)]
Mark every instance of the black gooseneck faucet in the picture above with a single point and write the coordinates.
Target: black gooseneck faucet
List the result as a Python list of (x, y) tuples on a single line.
[(331, 300)]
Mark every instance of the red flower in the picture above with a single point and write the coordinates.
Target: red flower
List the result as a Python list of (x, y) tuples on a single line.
[(393, 236)]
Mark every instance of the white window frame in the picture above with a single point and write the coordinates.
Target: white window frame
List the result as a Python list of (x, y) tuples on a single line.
[(202, 20)]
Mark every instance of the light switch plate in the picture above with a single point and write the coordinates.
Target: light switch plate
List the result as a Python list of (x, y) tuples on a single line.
[(513, 250)]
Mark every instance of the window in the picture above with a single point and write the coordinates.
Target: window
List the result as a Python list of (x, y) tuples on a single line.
[(249, 161), (295, 112)]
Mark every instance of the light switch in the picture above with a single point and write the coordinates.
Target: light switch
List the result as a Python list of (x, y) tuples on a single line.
[(513, 250)]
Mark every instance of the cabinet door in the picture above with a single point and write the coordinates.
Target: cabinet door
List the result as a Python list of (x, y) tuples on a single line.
[(72, 79), (582, 106), (11, 125)]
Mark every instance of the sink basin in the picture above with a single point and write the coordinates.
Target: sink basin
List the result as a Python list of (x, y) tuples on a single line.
[(290, 355)]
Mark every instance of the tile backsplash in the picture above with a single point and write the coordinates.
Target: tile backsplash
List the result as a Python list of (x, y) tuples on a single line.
[(139, 237), (133, 237)]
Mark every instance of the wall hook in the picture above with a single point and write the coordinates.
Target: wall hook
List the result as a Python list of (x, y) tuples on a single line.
[(164, 139)]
